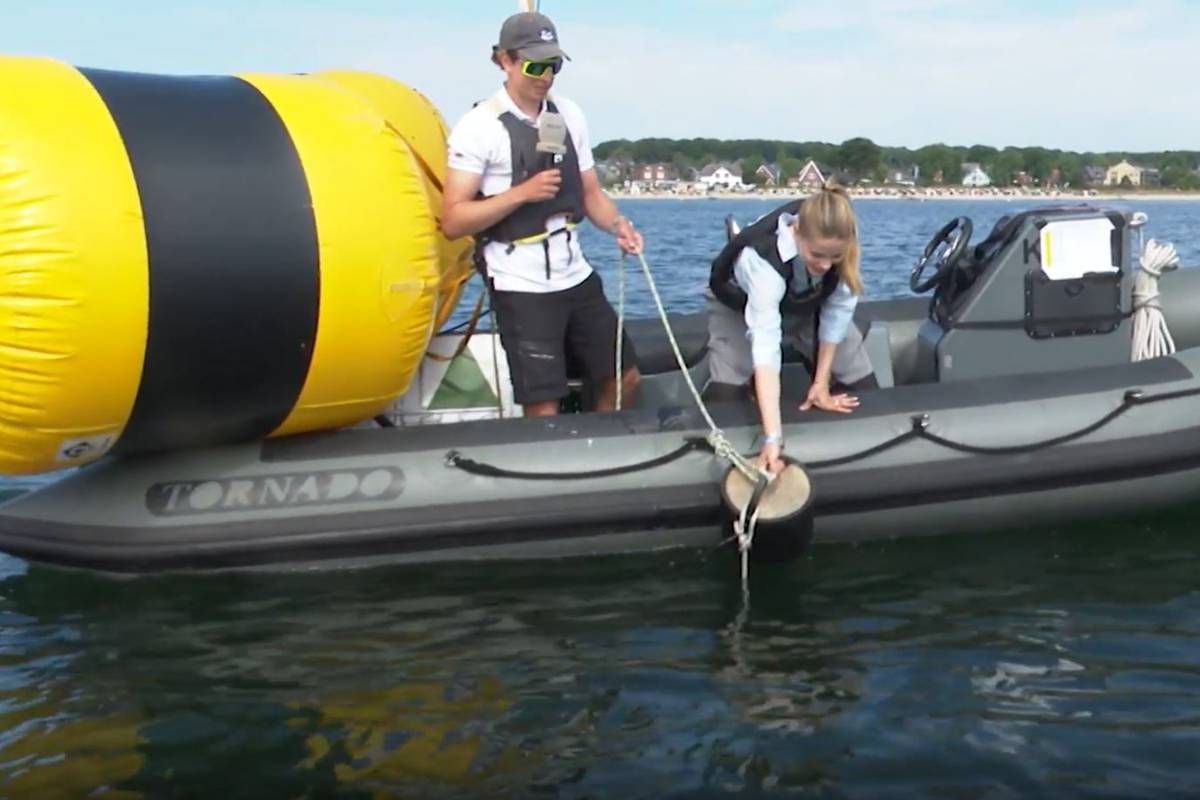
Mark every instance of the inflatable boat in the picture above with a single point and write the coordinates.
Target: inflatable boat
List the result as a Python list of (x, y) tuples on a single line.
[(1009, 398)]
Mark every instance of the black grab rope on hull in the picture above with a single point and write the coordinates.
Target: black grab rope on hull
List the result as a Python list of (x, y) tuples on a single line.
[(455, 459), (920, 430), (861, 454)]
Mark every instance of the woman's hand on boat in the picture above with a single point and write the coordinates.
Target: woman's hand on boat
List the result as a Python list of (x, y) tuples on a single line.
[(819, 397), (769, 459)]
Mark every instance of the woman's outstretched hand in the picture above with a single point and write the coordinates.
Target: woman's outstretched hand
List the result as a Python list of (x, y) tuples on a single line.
[(770, 459), (819, 397)]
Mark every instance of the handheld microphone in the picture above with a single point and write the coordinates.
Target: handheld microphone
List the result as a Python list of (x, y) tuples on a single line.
[(552, 138)]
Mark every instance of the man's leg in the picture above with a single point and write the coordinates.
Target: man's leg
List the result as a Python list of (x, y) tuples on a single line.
[(607, 398), (547, 408), (532, 329), (592, 340)]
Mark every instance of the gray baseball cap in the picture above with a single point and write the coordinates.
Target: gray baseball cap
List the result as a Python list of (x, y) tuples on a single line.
[(532, 35)]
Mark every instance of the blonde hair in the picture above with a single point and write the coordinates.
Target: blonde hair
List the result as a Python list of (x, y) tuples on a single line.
[(828, 214)]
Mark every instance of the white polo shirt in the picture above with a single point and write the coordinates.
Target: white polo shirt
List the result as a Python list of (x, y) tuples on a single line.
[(479, 144)]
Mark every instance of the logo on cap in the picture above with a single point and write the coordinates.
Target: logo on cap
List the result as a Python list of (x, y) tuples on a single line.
[(547, 35)]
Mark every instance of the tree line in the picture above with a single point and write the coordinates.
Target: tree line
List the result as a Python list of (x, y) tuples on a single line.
[(861, 158)]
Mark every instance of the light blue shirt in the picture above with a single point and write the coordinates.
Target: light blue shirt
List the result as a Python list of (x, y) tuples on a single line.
[(765, 289)]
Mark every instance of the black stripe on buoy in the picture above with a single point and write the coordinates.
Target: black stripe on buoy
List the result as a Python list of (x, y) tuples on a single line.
[(234, 271)]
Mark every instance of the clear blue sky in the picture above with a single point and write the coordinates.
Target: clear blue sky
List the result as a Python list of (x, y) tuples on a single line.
[(1075, 74)]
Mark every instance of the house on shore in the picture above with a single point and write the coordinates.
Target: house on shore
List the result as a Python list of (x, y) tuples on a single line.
[(1093, 175), (614, 170), (903, 176), (771, 175), (721, 174), (1123, 173), (810, 177), (974, 177), (657, 176)]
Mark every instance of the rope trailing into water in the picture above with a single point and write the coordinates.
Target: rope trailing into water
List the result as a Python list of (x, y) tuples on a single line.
[(743, 531), (744, 526), (721, 446)]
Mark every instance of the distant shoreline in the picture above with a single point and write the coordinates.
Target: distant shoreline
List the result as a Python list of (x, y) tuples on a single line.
[(922, 194)]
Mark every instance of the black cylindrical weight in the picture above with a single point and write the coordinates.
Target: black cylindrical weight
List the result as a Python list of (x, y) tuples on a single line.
[(784, 527)]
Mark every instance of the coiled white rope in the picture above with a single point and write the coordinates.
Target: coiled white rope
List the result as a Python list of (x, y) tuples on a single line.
[(1151, 338)]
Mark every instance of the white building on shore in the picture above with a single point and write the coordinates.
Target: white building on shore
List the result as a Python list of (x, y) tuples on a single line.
[(720, 174), (974, 176)]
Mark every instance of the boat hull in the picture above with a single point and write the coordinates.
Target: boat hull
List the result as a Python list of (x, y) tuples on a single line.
[(913, 460)]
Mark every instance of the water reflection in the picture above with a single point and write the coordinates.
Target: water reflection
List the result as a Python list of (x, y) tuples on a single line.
[(969, 666)]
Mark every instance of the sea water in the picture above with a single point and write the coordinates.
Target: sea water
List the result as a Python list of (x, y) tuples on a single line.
[(1053, 662)]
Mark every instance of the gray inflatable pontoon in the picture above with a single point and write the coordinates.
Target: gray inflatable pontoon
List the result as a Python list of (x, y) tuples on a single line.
[(1011, 400)]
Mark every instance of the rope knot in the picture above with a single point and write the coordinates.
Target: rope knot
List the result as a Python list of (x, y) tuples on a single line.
[(1158, 257)]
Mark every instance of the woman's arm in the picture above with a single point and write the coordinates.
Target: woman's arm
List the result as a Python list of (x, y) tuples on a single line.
[(837, 315), (766, 391), (764, 328)]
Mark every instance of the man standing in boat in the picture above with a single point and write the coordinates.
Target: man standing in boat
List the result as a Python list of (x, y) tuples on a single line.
[(521, 178)]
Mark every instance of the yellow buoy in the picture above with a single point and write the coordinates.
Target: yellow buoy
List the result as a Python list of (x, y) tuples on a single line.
[(187, 261), (418, 121)]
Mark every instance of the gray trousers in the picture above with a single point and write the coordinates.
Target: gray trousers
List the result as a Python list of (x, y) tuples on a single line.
[(730, 361)]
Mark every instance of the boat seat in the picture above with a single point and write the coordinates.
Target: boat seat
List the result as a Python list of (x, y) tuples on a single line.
[(878, 345), (654, 348), (654, 357)]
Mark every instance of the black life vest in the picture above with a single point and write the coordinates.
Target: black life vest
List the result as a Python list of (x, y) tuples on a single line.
[(529, 221), (762, 235)]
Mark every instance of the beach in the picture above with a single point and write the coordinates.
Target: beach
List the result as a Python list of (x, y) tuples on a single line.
[(923, 193)]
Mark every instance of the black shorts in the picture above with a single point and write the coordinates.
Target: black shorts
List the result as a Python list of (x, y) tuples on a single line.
[(551, 336)]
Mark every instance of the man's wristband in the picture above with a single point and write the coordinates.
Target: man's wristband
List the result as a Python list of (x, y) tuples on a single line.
[(616, 224), (773, 438)]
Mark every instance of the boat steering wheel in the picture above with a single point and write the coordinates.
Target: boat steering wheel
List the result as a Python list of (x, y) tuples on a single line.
[(944, 251)]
